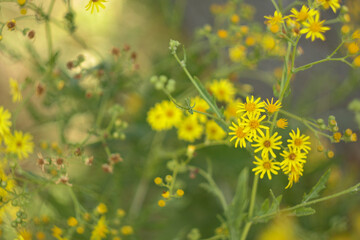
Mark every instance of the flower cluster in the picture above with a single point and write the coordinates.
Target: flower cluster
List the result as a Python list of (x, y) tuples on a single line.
[(254, 126), (169, 193)]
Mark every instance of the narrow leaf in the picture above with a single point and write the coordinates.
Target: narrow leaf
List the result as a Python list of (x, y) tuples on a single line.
[(304, 211), (319, 186)]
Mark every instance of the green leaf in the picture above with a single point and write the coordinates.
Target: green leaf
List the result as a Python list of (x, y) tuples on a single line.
[(267, 209), (304, 211), (236, 210), (320, 185)]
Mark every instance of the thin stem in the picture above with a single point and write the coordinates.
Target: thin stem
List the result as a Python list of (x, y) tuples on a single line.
[(355, 188), (251, 208), (307, 66)]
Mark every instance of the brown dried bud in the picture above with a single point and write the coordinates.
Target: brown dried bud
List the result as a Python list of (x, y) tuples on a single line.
[(107, 168), (78, 76), (126, 47), (89, 161), (115, 158), (31, 34), (64, 179), (100, 72), (77, 152), (115, 51), (40, 89), (88, 95), (11, 25), (70, 65), (133, 56)]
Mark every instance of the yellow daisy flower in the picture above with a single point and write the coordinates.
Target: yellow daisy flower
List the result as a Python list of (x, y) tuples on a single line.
[(282, 123), (164, 116), (231, 108), (272, 107), (100, 230), (251, 106), (303, 14), (156, 118), (294, 175), (274, 20), (333, 4), (314, 28), (201, 106), (223, 90), (237, 53), (298, 141), (253, 122), (267, 144), (265, 165), (95, 4), (20, 144), (15, 90), (190, 129), (292, 159), (214, 131), (5, 122), (240, 133)]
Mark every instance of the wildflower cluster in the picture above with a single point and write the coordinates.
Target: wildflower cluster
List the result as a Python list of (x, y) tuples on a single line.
[(170, 192)]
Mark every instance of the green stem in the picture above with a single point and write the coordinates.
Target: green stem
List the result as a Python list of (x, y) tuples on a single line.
[(307, 66), (355, 188), (211, 104), (251, 208)]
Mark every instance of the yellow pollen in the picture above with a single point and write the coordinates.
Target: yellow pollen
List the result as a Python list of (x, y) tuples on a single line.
[(170, 113)]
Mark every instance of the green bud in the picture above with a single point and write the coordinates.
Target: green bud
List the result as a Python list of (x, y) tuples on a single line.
[(154, 79), (173, 45)]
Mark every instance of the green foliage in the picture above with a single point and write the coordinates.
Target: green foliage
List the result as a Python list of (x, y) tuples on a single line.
[(319, 186)]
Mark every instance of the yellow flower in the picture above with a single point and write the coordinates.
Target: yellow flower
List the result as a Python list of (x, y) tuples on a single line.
[(333, 4), (223, 90), (235, 18), (222, 33), (100, 230), (272, 107), (213, 131), (356, 61), (240, 134), (161, 203), (95, 4), (120, 212), (190, 129), (337, 137), (303, 14), (292, 159), (298, 141), (274, 20), (268, 42), (40, 236), (265, 165), (56, 232), (267, 144), (314, 28), (251, 106), (201, 106), (294, 175), (20, 144), (80, 230), (5, 122), (166, 194), (72, 222), (353, 48), (356, 34), (21, 2), (282, 123), (158, 180), (164, 116), (15, 90), (180, 192), (127, 230), (253, 123), (237, 53), (101, 208), (231, 108)]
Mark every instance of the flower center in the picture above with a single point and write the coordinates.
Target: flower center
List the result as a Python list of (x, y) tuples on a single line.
[(302, 16), (298, 142), (18, 144), (189, 128), (315, 27), (267, 165), (292, 156), (250, 107), (240, 132), (267, 144), (170, 114), (254, 124)]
